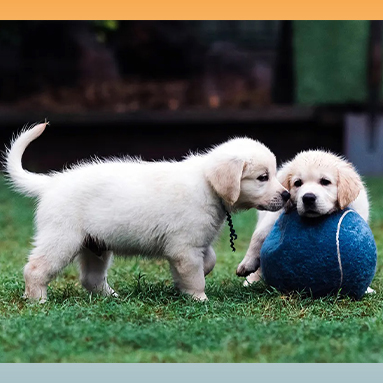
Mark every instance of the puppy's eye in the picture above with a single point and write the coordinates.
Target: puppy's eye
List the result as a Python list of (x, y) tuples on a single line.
[(298, 183), (263, 178), (325, 182)]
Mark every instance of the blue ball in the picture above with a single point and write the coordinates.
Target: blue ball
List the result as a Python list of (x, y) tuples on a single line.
[(321, 256)]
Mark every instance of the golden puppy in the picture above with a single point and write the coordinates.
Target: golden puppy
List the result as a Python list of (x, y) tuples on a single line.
[(319, 183)]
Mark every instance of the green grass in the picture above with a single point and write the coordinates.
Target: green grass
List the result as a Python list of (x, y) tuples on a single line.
[(151, 322)]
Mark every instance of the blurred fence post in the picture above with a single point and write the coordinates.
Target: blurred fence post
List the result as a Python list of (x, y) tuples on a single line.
[(363, 134), (356, 143), (284, 79), (374, 77)]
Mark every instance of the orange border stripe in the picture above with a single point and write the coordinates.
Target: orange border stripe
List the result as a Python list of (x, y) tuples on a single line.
[(191, 10)]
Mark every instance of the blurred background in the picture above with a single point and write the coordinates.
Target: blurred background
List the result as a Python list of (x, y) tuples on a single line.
[(161, 88)]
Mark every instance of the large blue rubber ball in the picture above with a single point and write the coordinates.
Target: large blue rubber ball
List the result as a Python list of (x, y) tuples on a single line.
[(324, 255)]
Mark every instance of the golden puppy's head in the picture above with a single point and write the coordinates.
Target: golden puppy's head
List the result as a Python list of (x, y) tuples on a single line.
[(320, 182), (243, 171)]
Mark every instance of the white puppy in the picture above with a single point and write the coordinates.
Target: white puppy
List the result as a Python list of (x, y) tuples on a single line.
[(171, 209), (320, 183)]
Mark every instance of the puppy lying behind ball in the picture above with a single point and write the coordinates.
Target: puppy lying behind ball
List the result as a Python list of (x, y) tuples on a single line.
[(320, 183), (166, 209)]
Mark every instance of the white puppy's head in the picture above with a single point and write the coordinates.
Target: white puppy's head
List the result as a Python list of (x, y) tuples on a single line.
[(320, 182), (242, 171)]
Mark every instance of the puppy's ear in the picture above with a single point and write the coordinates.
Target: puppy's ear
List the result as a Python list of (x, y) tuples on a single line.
[(225, 178), (349, 185), (284, 177)]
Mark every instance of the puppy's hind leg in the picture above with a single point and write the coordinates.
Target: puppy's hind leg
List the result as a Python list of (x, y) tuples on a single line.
[(209, 260), (93, 271), (188, 273), (53, 251)]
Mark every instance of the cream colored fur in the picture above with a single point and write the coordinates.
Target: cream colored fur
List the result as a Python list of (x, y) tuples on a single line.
[(172, 210), (310, 167)]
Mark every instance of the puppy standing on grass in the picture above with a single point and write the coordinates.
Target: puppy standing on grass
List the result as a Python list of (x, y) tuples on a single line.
[(169, 209), (320, 183)]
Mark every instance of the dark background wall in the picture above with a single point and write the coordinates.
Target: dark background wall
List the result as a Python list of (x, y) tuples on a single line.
[(161, 88)]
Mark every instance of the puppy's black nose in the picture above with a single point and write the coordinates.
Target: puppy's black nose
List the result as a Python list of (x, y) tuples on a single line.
[(285, 195), (309, 199)]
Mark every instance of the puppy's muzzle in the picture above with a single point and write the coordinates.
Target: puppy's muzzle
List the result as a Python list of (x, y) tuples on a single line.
[(309, 200), (310, 205), (276, 203)]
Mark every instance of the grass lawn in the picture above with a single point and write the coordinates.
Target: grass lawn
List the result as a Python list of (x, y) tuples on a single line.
[(151, 322)]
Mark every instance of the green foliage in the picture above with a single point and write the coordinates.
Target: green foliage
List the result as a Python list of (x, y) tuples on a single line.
[(104, 28), (151, 322), (331, 61), (111, 25)]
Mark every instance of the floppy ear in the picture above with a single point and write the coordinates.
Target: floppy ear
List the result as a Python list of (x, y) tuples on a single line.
[(225, 178), (284, 177), (349, 185)]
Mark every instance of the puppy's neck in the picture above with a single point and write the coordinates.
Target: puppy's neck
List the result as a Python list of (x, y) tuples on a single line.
[(233, 235)]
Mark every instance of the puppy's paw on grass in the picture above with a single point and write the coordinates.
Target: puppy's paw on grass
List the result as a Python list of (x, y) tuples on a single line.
[(200, 297), (253, 278), (247, 267)]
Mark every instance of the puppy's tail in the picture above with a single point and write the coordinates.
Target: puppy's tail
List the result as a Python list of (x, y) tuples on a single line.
[(28, 183)]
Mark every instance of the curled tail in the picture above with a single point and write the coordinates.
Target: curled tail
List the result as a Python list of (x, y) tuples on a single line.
[(28, 183)]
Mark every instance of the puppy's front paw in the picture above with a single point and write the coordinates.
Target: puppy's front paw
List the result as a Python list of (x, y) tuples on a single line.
[(248, 266), (253, 278), (33, 300)]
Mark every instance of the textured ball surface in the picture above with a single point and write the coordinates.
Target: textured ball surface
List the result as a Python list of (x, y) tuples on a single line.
[(320, 255)]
